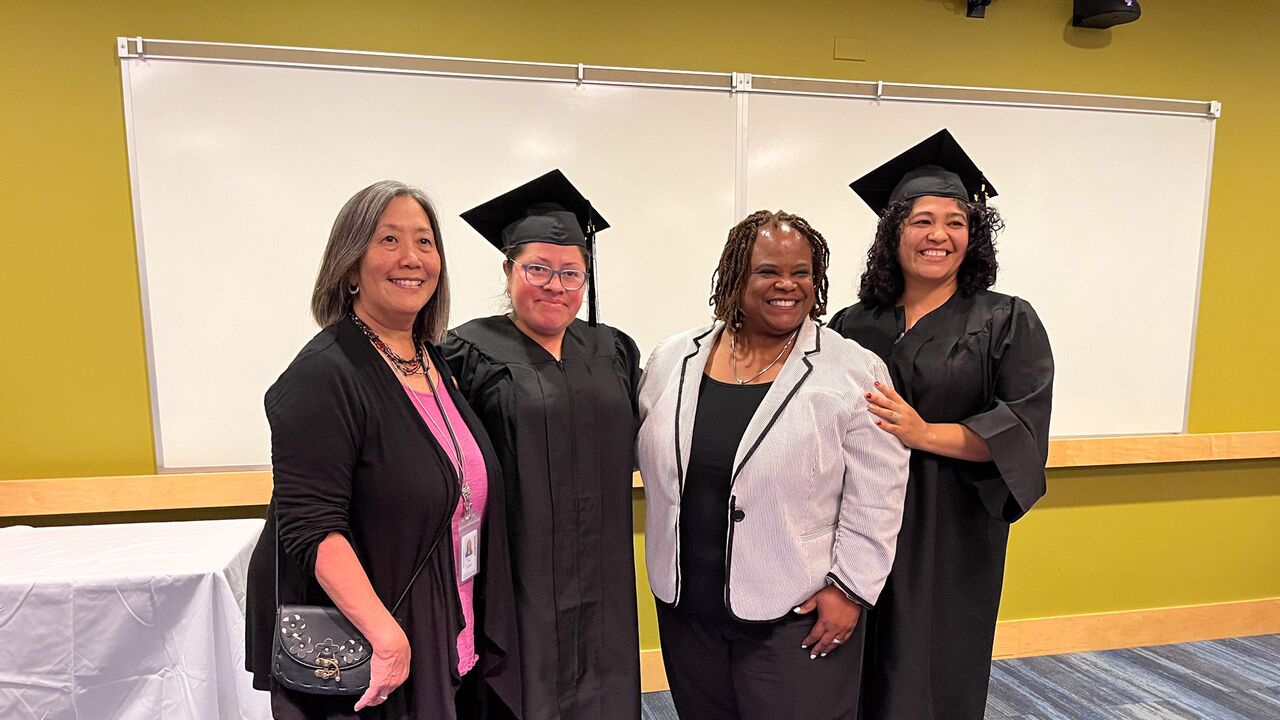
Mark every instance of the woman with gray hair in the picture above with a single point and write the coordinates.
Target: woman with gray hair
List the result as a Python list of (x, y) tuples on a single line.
[(387, 495)]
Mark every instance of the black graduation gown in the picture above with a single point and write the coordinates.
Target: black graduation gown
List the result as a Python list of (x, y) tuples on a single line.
[(564, 433), (983, 361)]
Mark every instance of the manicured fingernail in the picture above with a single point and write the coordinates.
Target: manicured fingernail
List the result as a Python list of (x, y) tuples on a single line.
[(879, 423), (795, 609), (868, 396), (804, 647), (877, 383), (824, 654), (813, 657)]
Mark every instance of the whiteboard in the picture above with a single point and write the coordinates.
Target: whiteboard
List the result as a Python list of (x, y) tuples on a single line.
[(239, 169), (1104, 218)]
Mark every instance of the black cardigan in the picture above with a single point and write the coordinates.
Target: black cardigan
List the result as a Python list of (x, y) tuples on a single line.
[(350, 454)]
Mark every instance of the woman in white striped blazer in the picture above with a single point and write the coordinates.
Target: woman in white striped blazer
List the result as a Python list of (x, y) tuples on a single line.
[(772, 497)]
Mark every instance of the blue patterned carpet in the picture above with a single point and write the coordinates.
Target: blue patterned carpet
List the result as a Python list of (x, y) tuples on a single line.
[(1235, 679)]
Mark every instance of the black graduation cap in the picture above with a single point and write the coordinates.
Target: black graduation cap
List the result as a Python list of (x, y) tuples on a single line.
[(546, 209), (935, 166)]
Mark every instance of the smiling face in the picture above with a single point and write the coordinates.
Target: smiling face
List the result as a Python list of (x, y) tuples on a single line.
[(778, 294), (933, 241), (544, 312), (400, 268)]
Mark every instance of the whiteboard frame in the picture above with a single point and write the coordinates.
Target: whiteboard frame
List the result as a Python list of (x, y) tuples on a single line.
[(1195, 318), (137, 48), (131, 149)]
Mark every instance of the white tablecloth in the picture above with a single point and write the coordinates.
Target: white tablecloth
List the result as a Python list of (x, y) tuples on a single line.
[(131, 621)]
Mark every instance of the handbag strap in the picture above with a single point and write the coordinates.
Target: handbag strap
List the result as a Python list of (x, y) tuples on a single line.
[(417, 571), (422, 563), (448, 466)]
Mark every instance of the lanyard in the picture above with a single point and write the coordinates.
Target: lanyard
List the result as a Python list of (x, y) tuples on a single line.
[(458, 456)]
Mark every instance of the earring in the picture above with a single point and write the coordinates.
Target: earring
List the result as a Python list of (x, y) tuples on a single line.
[(353, 289)]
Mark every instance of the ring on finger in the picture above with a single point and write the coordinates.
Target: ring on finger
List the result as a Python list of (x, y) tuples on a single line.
[(383, 697), (836, 640), (895, 417)]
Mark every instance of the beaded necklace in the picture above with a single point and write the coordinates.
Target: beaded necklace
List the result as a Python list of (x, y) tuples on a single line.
[(406, 366)]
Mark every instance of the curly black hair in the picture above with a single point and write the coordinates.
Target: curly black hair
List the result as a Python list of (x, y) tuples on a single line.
[(882, 283), (731, 274)]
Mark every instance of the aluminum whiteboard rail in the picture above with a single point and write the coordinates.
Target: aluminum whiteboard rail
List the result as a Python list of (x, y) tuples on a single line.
[(741, 175), (148, 327), (578, 73), (408, 64), (1195, 317), (956, 94)]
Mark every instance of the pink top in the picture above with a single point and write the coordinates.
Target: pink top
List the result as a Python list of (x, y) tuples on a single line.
[(479, 482)]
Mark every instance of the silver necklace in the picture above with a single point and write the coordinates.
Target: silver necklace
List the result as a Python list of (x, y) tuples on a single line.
[(733, 354)]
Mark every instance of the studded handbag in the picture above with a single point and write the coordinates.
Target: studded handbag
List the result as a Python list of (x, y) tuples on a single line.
[(316, 650)]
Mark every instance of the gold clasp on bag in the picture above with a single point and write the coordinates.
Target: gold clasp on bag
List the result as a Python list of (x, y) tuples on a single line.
[(328, 669)]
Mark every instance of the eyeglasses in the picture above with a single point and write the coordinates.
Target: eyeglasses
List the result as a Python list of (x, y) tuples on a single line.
[(541, 275)]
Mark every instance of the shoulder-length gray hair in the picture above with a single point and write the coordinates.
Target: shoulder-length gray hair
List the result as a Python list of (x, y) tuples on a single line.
[(348, 240)]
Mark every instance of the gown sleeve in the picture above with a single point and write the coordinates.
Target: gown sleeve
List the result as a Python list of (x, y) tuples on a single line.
[(628, 354), (316, 425), (837, 321), (485, 384), (1016, 425), (463, 360)]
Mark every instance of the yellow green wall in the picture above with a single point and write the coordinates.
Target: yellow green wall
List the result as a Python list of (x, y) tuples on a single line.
[(74, 390)]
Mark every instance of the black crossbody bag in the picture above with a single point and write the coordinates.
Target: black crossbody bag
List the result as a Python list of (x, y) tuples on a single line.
[(316, 649)]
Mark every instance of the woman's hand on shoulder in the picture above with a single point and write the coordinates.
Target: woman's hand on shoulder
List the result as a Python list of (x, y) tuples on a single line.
[(837, 617), (896, 417), (389, 666)]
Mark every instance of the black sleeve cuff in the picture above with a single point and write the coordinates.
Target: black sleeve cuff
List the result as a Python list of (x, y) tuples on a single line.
[(833, 580)]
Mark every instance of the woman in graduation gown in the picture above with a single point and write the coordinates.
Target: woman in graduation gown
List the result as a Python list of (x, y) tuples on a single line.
[(558, 397), (973, 377)]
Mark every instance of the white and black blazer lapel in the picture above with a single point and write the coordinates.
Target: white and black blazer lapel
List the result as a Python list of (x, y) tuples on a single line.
[(692, 367), (795, 371)]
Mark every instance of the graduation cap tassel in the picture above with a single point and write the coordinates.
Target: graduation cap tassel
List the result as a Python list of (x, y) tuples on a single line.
[(592, 302), (546, 209)]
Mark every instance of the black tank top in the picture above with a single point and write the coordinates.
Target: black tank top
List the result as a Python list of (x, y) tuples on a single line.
[(724, 411)]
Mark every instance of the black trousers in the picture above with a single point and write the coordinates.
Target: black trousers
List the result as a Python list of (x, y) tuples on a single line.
[(757, 671)]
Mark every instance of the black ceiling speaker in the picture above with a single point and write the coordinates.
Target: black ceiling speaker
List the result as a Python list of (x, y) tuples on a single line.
[(977, 8), (1105, 13)]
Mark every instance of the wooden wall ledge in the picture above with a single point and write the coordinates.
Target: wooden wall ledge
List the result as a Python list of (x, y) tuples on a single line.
[(67, 496), (70, 496), (1151, 449)]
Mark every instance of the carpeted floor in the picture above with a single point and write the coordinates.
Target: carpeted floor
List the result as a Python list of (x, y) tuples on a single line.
[(1234, 679)]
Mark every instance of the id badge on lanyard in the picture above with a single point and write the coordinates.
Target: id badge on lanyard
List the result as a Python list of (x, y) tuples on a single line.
[(467, 553)]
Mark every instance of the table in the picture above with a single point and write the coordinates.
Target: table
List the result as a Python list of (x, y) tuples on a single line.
[(142, 620)]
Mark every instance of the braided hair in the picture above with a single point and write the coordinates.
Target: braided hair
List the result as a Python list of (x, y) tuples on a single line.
[(731, 274)]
